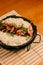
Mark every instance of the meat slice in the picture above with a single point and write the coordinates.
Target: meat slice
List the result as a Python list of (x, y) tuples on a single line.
[(30, 30), (8, 28), (12, 29), (19, 32)]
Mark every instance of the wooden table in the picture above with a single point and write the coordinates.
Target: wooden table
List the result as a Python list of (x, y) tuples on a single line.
[(31, 9)]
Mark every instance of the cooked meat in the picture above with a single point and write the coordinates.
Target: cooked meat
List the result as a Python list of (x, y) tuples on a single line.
[(30, 30), (19, 32), (14, 25), (12, 29), (8, 28), (5, 24)]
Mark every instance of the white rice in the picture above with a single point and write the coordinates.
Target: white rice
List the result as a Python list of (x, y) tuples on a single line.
[(15, 40), (18, 22)]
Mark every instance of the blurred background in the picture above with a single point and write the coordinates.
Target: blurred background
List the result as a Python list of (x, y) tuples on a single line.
[(31, 9)]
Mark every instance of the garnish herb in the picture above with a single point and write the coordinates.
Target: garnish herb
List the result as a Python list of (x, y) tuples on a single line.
[(12, 34), (27, 37), (0, 22), (24, 29)]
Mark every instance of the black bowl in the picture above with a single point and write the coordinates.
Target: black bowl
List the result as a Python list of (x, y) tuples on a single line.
[(8, 47)]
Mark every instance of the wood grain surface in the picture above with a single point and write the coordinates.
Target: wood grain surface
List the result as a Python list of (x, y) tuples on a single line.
[(31, 9)]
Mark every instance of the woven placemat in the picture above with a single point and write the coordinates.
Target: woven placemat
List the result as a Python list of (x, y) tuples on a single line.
[(22, 57)]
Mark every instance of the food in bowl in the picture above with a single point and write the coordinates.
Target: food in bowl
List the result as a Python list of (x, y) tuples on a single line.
[(15, 32)]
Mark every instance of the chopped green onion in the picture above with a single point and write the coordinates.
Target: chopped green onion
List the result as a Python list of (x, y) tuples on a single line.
[(24, 29), (12, 34), (27, 37), (0, 22)]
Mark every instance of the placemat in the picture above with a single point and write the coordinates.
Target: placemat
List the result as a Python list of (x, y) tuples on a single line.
[(22, 57)]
